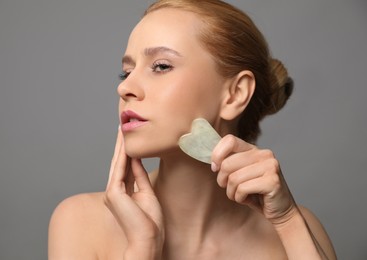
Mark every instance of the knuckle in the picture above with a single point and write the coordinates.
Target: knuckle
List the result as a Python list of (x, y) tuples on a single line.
[(267, 153), (225, 166), (229, 194), (240, 194), (238, 198), (232, 180), (227, 143), (274, 181), (273, 165), (231, 140), (221, 180), (276, 185)]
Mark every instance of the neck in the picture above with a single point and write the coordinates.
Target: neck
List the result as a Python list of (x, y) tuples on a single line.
[(191, 199)]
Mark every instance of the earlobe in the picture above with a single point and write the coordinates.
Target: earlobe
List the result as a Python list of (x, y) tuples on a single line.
[(238, 94)]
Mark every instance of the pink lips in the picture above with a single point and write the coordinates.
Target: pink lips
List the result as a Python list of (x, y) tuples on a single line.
[(130, 120)]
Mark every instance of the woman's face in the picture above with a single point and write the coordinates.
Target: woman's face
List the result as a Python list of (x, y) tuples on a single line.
[(170, 80)]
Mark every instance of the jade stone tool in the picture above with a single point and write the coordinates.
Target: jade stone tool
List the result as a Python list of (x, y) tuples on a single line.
[(200, 142)]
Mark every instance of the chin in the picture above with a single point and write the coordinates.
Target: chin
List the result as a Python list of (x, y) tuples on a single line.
[(139, 154), (149, 150)]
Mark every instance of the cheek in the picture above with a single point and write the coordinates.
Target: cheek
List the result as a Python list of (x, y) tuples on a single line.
[(197, 98)]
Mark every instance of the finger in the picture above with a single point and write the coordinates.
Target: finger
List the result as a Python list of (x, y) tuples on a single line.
[(118, 144), (141, 176), (230, 180), (242, 176), (129, 178), (258, 186), (267, 170), (119, 169), (238, 160), (234, 163), (129, 215), (228, 145), (267, 194)]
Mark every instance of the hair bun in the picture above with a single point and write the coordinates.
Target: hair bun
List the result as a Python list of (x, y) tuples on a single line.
[(281, 86)]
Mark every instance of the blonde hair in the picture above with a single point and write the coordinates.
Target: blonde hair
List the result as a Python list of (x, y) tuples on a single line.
[(236, 44)]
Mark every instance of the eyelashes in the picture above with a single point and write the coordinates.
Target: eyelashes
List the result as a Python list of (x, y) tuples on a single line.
[(124, 75), (157, 67), (161, 67)]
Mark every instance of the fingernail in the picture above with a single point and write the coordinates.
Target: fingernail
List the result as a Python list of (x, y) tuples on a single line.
[(214, 167)]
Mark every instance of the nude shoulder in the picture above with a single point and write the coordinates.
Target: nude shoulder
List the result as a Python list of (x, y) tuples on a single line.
[(79, 209), (318, 231), (80, 227)]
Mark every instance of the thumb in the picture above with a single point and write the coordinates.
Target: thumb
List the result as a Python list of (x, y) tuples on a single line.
[(141, 176)]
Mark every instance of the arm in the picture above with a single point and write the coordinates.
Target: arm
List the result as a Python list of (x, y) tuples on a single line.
[(252, 177), (303, 232)]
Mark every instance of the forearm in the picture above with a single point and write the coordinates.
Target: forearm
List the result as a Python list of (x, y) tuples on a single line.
[(297, 238)]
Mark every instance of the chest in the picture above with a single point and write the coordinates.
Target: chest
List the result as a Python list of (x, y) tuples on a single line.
[(257, 242), (240, 249), (229, 247)]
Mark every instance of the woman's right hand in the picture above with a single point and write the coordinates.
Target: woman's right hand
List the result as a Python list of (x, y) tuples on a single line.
[(135, 207)]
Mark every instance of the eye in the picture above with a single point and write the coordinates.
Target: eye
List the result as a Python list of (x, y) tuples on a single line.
[(124, 75), (161, 67)]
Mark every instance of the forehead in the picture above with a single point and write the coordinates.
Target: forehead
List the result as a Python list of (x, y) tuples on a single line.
[(168, 27)]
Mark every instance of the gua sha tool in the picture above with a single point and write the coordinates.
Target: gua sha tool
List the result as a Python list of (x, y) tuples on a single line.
[(199, 144)]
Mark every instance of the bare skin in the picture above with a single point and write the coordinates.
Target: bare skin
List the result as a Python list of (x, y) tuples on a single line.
[(196, 226), (237, 208)]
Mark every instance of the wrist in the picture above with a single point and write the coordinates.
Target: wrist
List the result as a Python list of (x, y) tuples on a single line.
[(289, 218), (144, 250), (296, 236)]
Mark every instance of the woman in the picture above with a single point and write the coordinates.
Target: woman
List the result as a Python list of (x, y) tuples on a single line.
[(188, 59)]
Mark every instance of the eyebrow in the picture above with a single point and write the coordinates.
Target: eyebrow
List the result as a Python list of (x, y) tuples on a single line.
[(153, 51)]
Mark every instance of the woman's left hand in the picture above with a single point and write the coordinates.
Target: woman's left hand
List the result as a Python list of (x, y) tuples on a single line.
[(252, 177)]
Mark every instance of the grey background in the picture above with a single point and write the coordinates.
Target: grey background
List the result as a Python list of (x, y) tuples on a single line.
[(59, 62)]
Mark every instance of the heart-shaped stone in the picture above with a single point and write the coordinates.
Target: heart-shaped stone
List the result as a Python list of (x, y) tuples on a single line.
[(199, 144)]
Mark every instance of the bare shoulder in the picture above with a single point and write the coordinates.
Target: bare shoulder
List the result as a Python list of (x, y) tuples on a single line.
[(318, 231), (81, 227)]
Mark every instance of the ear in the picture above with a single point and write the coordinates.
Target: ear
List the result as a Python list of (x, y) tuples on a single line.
[(238, 94)]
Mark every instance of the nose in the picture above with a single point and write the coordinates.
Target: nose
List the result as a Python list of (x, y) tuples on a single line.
[(130, 89)]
